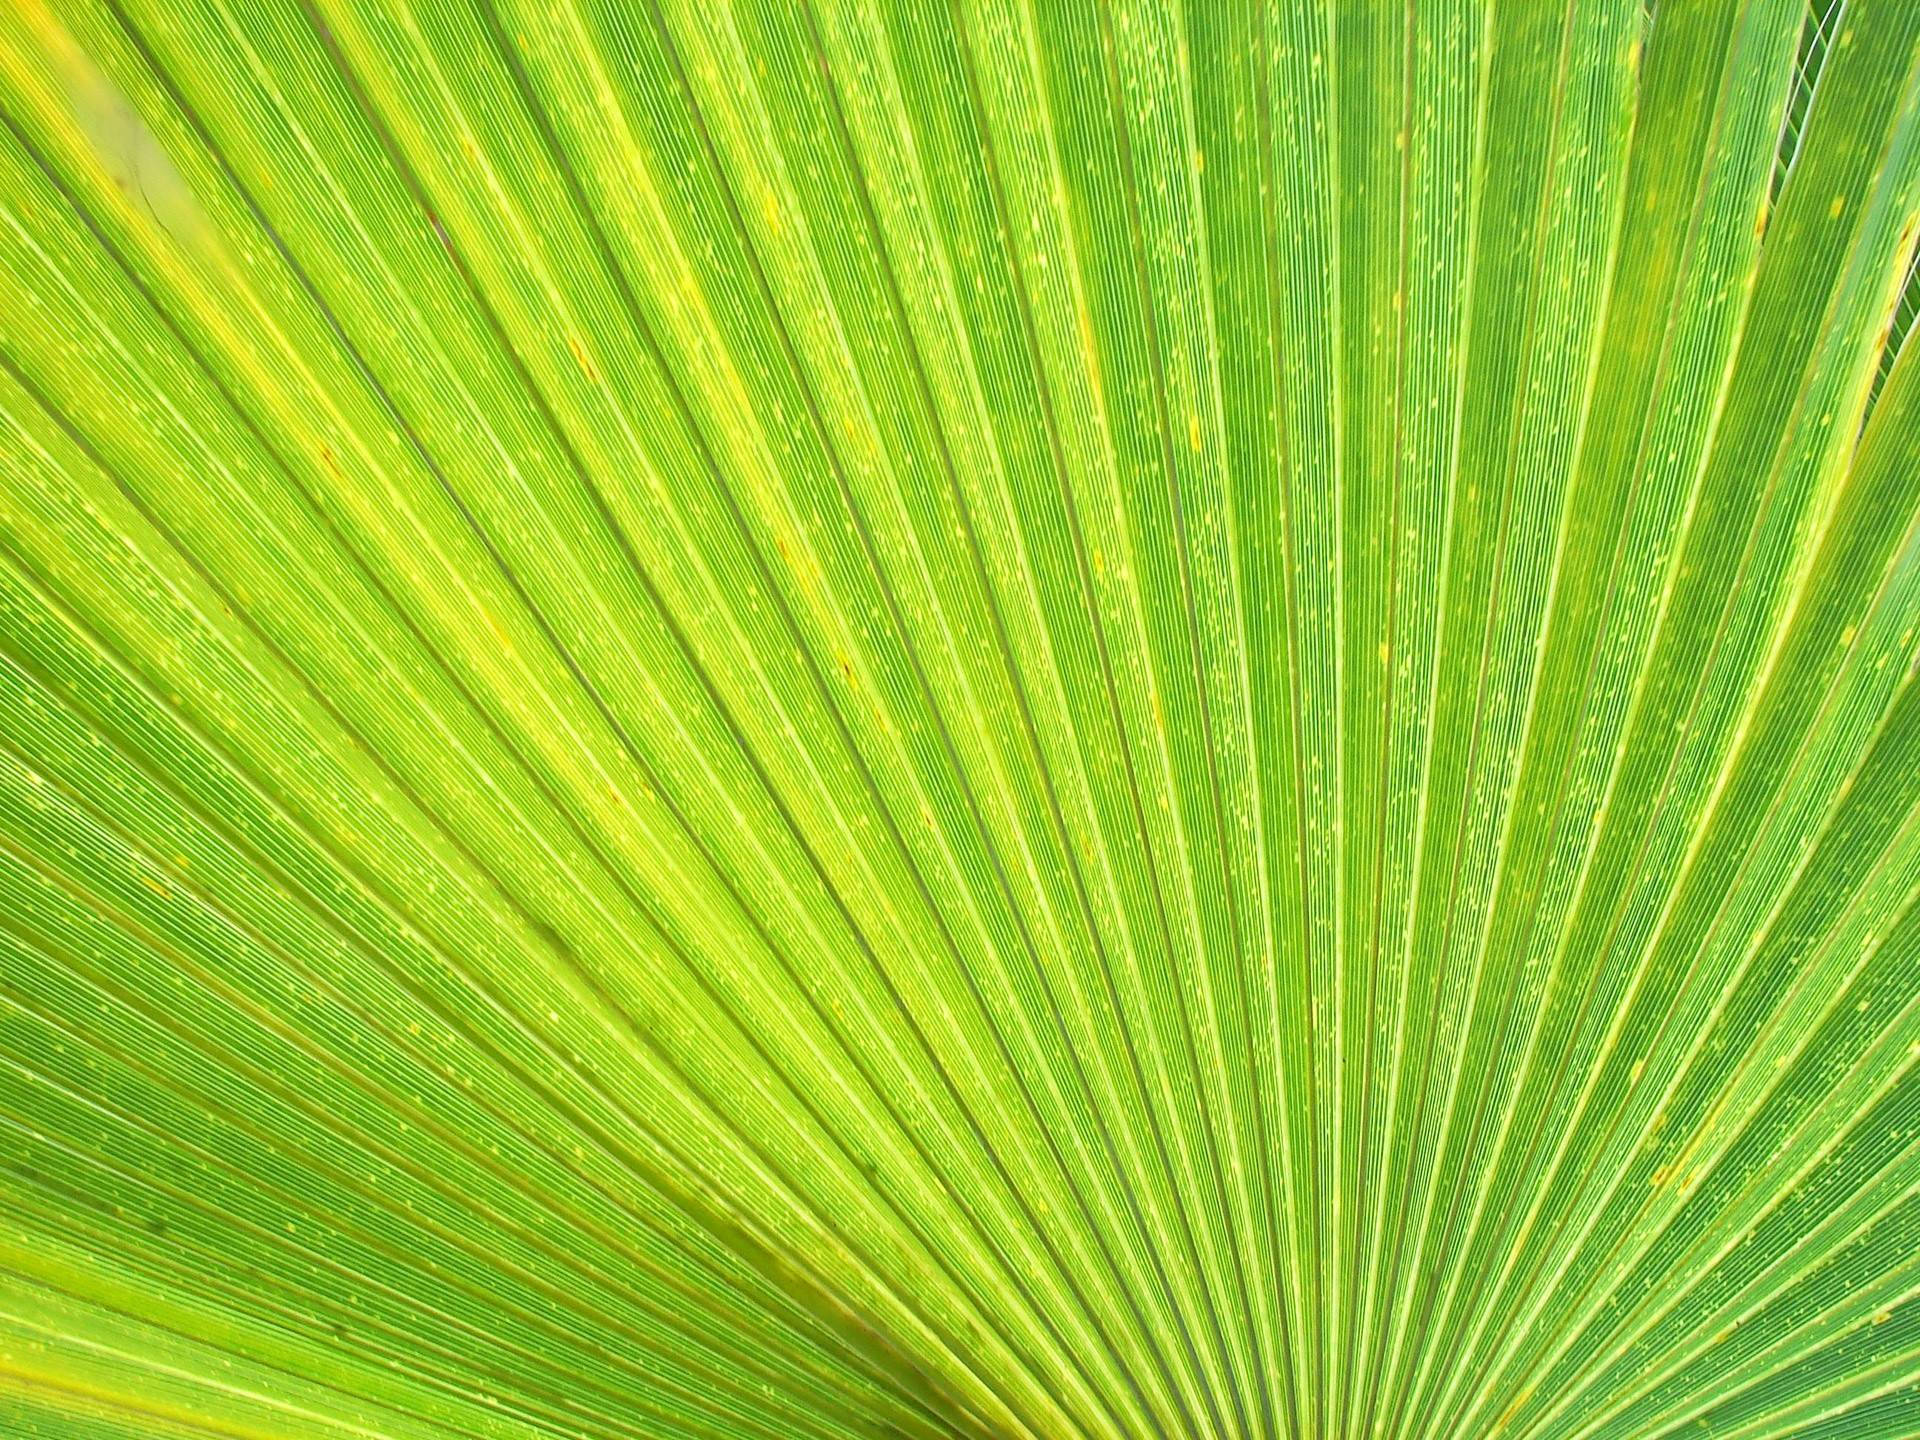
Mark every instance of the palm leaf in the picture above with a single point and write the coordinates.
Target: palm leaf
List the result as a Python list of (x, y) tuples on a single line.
[(979, 719)]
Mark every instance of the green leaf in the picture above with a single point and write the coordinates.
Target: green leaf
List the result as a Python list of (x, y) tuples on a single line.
[(839, 718)]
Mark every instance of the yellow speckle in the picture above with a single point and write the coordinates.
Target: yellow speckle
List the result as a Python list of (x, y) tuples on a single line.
[(581, 358), (1846, 635), (1517, 1404), (1193, 430), (1839, 204)]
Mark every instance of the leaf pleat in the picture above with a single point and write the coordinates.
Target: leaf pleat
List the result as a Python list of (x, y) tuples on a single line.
[(835, 718)]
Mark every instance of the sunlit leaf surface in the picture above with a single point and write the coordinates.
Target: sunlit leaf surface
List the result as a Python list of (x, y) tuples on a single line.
[(1039, 719)]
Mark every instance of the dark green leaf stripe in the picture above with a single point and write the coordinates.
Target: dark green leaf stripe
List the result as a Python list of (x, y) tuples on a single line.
[(985, 718)]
